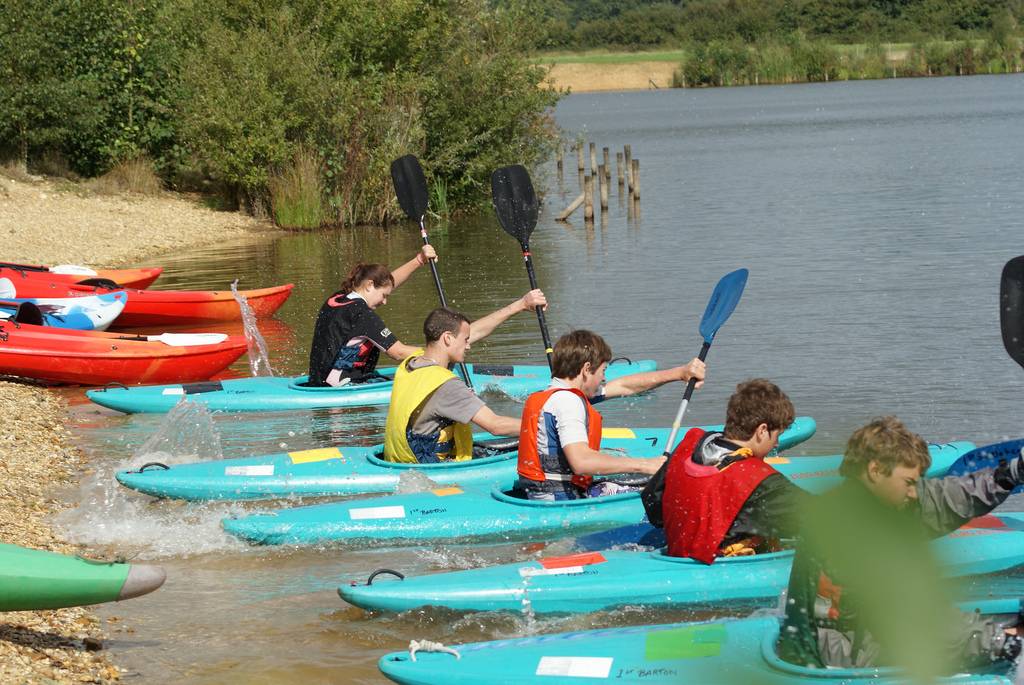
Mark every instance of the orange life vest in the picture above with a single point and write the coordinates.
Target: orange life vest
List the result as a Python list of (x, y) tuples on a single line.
[(531, 465), (701, 502)]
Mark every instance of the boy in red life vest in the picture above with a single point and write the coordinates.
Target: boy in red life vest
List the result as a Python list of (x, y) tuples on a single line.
[(560, 434), (720, 497)]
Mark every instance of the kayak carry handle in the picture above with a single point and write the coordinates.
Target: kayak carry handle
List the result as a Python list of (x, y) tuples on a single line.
[(145, 466), (369, 581), (111, 385), (617, 359), (104, 283)]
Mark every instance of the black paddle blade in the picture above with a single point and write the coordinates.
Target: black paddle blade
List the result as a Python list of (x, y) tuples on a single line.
[(410, 186), (515, 203), (1011, 308)]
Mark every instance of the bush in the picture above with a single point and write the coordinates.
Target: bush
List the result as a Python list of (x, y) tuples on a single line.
[(224, 94)]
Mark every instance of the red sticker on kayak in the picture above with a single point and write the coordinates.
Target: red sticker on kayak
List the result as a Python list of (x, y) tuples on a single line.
[(986, 522), (582, 559)]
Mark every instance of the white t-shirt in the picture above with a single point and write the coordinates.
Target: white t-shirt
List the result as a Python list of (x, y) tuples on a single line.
[(562, 420)]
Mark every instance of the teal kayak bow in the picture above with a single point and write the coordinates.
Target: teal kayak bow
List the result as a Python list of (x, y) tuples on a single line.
[(268, 393), (476, 514), (357, 470), (592, 581), (730, 651)]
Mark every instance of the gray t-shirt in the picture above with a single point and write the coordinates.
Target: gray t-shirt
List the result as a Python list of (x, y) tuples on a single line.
[(453, 402)]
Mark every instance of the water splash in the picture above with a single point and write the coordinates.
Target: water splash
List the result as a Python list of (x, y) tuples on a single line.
[(109, 515), (412, 481), (259, 359), (187, 433)]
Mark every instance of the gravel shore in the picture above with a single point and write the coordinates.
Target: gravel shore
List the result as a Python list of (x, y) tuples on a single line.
[(47, 222)]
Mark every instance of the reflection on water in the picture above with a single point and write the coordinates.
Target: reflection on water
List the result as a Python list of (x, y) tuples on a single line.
[(874, 218)]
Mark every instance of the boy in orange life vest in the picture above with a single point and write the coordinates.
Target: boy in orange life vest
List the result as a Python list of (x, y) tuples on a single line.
[(560, 434), (720, 497)]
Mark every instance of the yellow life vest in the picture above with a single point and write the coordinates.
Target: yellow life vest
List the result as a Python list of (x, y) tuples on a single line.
[(410, 391)]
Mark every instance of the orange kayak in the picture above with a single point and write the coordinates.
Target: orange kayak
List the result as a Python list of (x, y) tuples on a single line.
[(98, 358), (162, 307), (129, 278)]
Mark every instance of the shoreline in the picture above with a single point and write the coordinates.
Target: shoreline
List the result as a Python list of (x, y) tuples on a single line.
[(52, 221)]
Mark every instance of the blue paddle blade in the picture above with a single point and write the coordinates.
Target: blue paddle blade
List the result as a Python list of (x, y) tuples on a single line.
[(987, 457), (722, 303), (641, 534)]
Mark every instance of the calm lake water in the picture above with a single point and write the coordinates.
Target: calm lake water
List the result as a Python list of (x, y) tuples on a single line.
[(874, 218)]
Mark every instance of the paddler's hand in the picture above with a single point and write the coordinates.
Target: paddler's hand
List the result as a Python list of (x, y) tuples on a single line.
[(650, 466), (534, 299), (695, 369), (425, 254)]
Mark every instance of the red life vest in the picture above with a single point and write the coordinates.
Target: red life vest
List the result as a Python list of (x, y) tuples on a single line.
[(701, 502), (530, 462)]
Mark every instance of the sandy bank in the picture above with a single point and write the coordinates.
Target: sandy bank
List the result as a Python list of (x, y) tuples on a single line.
[(48, 222), (35, 456), (51, 222), (583, 77)]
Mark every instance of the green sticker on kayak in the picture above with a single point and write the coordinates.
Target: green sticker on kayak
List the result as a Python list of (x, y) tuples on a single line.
[(691, 642)]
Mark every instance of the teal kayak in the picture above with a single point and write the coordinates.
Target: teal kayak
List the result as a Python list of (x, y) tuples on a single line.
[(359, 470), (268, 393), (592, 581), (477, 514), (33, 579), (729, 651)]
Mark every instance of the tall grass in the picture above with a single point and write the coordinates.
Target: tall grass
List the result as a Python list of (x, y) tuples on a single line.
[(797, 59), (134, 175), (296, 191), (439, 197)]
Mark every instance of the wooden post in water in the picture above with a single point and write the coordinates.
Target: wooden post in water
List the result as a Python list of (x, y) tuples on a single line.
[(618, 169), (629, 167), (593, 159), (607, 164), (602, 183), (579, 156), (558, 157), (588, 202), (636, 179), (573, 206)]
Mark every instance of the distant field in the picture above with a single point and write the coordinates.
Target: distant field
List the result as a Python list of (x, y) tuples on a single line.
[(610, 57), (607, 57)]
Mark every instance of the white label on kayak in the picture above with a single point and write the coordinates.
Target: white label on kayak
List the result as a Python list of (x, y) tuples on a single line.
[(575, 666), (529, 571), (254, 470), (364, 513), (173, 391)]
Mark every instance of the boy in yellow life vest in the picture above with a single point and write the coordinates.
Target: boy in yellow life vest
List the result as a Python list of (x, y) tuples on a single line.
[(431, 408), (560, 438)]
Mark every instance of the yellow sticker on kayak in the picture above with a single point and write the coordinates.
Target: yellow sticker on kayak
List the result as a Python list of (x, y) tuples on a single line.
[(776, 460), (444, 492), (321, 454), (617, 433)]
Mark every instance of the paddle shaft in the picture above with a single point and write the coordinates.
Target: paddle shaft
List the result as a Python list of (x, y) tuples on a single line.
[(440, 294), (540, 311), (685, 403)]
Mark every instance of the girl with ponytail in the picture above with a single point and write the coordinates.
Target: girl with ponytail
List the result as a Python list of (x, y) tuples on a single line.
[(349, 335)]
